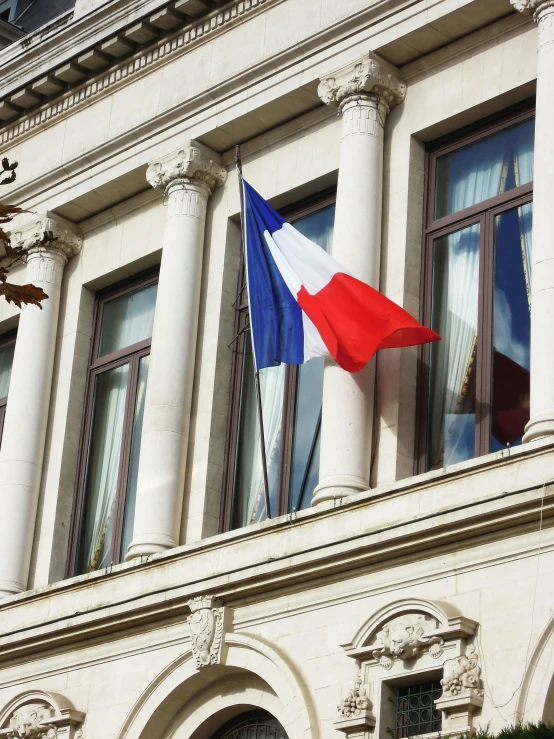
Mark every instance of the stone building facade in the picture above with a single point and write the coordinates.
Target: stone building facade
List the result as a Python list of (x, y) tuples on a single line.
[(403, 583)]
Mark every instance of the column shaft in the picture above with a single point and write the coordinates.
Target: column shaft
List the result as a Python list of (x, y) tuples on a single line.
[(541, 423), (347, 420), (188, 178), (365, 91), (24, 435)]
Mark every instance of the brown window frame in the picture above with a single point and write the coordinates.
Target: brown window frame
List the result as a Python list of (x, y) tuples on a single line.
[(130, 355), (293, 213), (483, 213), (5, 340)]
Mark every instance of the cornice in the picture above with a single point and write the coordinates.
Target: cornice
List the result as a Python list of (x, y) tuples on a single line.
[(89, 607), (116, 73)]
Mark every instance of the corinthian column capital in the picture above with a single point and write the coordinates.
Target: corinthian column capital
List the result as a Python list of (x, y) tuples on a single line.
[(368, 76), (48, 232), (534, 6), (194, 164)]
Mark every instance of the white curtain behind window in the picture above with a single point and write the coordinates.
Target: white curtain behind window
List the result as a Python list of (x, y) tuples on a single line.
[(471, 179), (6, 361), (128, 323), (524, 170)]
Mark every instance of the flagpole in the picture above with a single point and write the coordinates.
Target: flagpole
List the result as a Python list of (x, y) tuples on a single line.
[(256, 372)]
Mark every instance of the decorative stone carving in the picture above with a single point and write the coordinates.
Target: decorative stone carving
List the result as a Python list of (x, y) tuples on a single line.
[(355, 710), (463, 691), (368, 76), (405, 638), (206, 622), (462, 673), (356, 701), (48, 232), (40, 715), (532, 5), (194, 163)]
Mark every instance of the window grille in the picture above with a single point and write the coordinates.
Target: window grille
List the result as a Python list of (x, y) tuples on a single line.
[(415, 711), (253, 727)]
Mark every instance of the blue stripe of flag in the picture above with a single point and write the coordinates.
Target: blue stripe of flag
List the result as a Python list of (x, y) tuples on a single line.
[(275, 316)]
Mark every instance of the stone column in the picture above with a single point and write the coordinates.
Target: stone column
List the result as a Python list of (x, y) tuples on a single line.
[(188, 177), (541, 423), (50, 241), (365, 91)]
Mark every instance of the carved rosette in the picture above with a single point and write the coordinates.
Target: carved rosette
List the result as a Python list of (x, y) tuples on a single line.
[(193, 164), (46, 233), (368, 77), (39, 715), (205, 623)]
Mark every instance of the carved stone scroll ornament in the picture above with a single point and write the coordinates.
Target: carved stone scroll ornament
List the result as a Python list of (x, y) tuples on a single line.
[(206, 630), (405, 638), (369, 75), (193, 163), (48, 232)]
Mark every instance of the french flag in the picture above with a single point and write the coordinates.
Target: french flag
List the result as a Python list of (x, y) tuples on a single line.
[(304, 304)]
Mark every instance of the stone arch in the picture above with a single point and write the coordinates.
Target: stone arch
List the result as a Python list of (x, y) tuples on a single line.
[(536, 696), (186, 702)]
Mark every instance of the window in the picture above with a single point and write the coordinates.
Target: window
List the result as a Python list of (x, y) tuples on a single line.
[(476, 293), (110, 448), (414, 710), (252, 725), (291, 408), (7, 348)]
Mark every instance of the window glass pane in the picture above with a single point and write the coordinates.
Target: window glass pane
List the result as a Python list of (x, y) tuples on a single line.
[(102, 472), (307, 421), (138, 415), (127, 319), (512, 326), (249, 504), (6, 361), (487, 168), (305, 458), (452, 376)]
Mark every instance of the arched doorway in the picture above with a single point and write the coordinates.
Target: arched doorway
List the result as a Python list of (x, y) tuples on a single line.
[(251, 725)]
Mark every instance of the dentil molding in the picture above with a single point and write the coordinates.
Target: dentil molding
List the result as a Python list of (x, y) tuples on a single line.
[(193, 163), (369, 75), (48, 232)]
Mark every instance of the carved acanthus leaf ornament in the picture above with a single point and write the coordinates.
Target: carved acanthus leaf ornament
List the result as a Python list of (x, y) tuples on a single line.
[(206, 630), (40, 715), (193, 163), (369, 75)]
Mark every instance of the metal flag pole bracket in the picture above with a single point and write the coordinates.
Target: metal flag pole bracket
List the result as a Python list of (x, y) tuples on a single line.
[(256, 372)]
